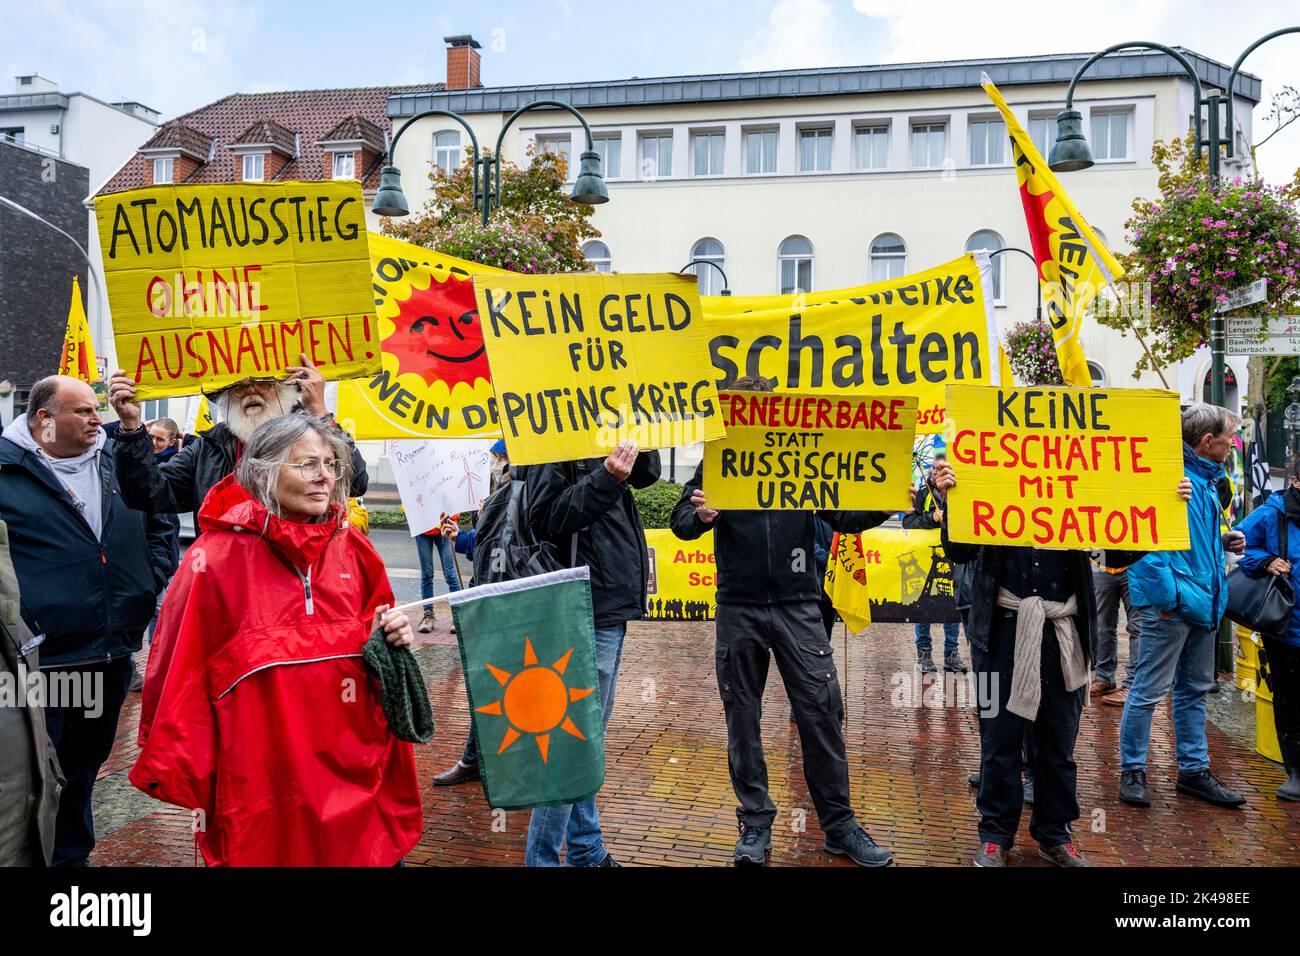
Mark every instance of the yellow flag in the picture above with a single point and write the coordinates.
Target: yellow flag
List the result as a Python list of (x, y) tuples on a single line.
[(846, 581), (202, 418), (78, 358), (1073, 264)]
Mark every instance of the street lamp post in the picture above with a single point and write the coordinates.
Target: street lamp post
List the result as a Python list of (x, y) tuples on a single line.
[(709, 262), (1071, 152), (589, 188), (1038, 292)]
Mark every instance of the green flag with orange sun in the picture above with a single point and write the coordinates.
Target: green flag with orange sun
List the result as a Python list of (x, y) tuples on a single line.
[(529, 651)]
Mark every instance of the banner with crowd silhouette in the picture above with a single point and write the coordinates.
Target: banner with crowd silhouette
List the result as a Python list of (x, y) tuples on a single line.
[(907, 576), (683, 577)]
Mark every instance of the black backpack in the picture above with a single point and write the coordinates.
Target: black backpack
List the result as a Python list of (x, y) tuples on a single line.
[(505, 548)]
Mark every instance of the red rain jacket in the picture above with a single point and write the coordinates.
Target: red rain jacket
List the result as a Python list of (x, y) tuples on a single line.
[(257, 707)]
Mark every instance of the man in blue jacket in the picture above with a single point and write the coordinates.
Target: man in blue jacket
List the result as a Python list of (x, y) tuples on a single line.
[(1180, 597), (88, 569)]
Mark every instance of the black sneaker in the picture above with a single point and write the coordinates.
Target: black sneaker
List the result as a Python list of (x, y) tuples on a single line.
[(1133, 788), (953, 663), (925, 663), (753, 846), (1209, 788), (974, 779), (858, 846), (608, 861), (990, 854)]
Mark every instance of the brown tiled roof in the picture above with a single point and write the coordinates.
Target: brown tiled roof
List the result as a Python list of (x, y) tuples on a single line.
[(178, 135), (313, 114), (357, 127), (269, 131)]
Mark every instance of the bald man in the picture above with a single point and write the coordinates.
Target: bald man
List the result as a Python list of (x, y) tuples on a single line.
[(89, 569)]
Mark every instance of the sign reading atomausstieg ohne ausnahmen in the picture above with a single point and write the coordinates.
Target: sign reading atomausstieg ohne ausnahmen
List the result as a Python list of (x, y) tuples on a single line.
[(1066, 468), (796, 452), (212, 284), (583, 361)]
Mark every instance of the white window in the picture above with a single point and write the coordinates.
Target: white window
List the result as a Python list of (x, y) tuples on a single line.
[(446, 150), (815, 150), (706, 154), (610, 149), (1042, 130), (656, 155), (162, 170), (345, 166), (1098, 375), (795, 260), (760, 151), (988, 240), (929, 145), (888, 258), (1109, 138), (254, 167), (871, 147), (988, 142), (597, 253), (709, 250), (13, 134)]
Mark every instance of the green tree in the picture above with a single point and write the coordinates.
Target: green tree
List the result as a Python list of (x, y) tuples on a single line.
[(536, 228)]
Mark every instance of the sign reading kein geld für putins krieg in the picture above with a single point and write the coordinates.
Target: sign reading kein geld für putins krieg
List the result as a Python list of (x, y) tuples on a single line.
[(212, 284)]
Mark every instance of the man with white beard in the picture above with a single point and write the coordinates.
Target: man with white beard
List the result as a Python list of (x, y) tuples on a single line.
[(182, 483)]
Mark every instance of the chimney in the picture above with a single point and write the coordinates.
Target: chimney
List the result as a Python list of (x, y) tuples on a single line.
[(462, 62)]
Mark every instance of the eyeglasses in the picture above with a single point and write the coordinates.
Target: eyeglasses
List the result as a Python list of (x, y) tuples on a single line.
[(311, 468), (246, 385)]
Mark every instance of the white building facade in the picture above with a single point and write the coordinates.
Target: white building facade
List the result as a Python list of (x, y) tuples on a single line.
[(827, 178)]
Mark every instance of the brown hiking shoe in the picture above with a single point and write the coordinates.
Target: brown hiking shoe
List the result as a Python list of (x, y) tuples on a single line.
[(1100, 688), (1116, 698)]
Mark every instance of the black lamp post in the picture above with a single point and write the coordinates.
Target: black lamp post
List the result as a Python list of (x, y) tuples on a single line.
[(1071, 152), (709, 262), (1038, 292), (589, 188)]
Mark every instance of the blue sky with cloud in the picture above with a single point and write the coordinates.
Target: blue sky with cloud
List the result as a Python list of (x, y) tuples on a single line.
[(176, 55)]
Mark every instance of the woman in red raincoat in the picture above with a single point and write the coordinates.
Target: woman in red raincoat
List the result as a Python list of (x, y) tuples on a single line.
[(258, 710)]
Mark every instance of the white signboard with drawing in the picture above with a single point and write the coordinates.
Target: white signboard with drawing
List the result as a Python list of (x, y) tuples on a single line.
[(439, 476)]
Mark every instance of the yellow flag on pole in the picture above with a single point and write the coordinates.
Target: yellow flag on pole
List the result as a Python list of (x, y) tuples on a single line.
[(846, 581), (1073, 263), (78, 358), (202, 419)]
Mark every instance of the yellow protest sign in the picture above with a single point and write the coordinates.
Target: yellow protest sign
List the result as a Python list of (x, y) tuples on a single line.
[(683, 577), (582, 361), (908, 336), (212, 284), (435, 381), (909, 579), (799, 452), (1066, 468)]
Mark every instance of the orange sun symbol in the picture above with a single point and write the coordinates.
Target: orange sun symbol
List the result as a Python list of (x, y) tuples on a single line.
[(536, 700)]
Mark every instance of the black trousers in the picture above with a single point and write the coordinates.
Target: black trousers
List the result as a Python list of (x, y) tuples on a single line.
[(1284, 681), (1003, 743), (747, 637), (83, 743)]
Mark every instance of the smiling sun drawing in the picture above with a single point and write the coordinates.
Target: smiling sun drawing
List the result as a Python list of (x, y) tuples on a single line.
[(536, 700)]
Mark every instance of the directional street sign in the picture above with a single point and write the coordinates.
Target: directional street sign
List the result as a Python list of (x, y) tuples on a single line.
[(1281, 335), (1252, 294)]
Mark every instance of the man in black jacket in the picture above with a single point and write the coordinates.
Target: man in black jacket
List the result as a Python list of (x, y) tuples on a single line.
[(768, 592), (183, 482), (1004, 590), (89, 569), (586, 510)]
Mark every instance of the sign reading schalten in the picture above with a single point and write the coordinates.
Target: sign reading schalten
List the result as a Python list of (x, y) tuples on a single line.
[(212, 284), (913, 335), (795, 452), (435, 381), (583, 361), (1066, 468)]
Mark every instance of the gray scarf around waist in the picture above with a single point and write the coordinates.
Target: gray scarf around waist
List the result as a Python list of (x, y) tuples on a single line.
[(1026, 681)]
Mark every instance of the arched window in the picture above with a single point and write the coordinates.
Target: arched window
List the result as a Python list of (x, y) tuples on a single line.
[(710, 250), (888, 258), (1098, 375), (795, 260), (446, 150), (988, 240), (597, 253)]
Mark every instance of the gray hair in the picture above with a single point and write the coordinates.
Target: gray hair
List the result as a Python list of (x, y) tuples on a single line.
[(44, 396), (1202, 418), (269, 447)]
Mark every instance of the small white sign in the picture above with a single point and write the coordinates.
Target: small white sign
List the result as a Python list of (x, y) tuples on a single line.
[(1245, 336), (1252, 294), (438, 477)]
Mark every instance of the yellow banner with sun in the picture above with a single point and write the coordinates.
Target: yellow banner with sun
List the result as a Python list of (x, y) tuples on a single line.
[(434, 382)]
